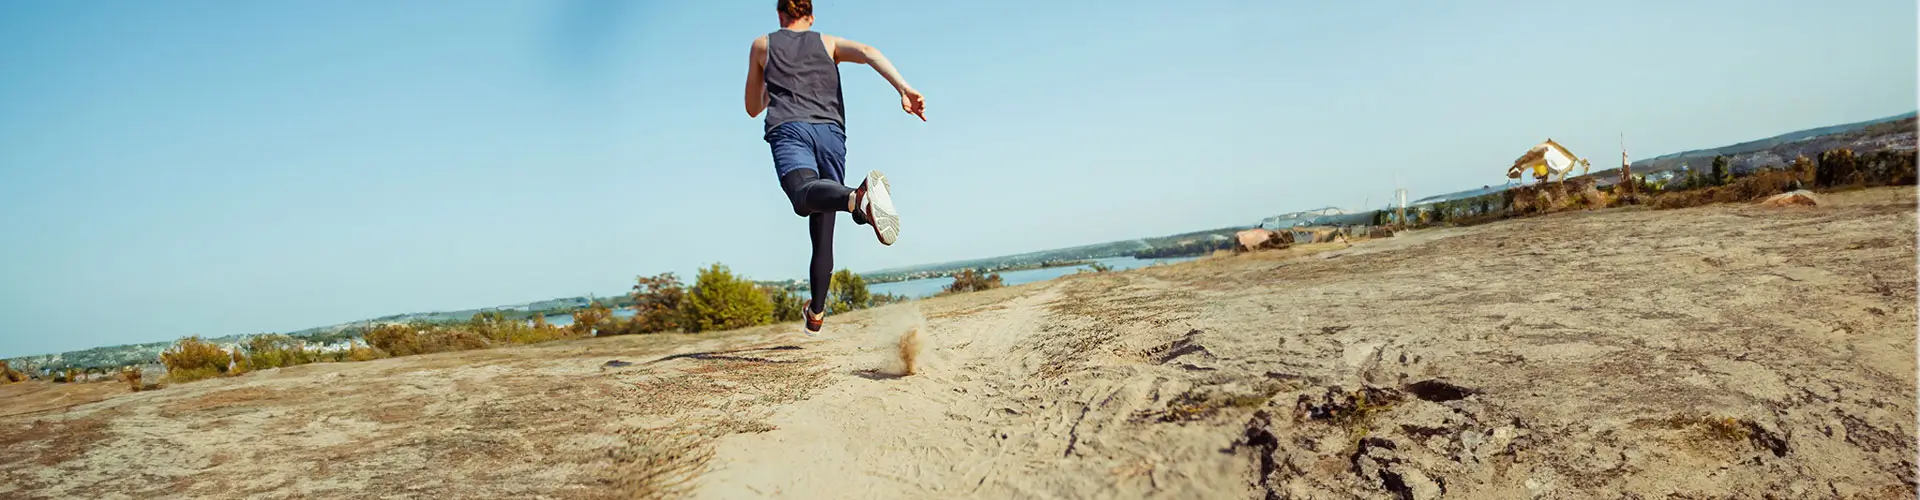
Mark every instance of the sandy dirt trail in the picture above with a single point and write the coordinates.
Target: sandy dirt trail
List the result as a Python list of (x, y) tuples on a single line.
[(1716, 352)]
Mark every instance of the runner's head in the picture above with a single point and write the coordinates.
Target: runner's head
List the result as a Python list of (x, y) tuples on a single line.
[(794, 12)]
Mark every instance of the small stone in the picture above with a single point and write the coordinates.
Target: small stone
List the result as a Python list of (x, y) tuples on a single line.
[(1499, 440), (1422, 487), (1470, 441)]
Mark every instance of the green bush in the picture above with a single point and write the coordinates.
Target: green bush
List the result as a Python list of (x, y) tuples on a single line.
[(721, 301), (499, 328), (359, 352), (451, 338), (277, 351), (847, 292), (193, 359), (395, 339)]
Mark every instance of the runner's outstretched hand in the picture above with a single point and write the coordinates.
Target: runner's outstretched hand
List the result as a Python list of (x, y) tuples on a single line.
[(913, 103)]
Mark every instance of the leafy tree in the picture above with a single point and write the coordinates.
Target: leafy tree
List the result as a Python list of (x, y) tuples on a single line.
[(847, 292), (721, 301), (659, 303)]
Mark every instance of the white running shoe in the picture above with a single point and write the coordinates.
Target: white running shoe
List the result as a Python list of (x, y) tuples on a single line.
[(875, 202)]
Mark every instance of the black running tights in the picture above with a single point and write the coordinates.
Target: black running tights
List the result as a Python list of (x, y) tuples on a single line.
[(818, 200)]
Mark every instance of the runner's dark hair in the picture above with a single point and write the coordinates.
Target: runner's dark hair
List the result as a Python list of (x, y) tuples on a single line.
[(795, 9)]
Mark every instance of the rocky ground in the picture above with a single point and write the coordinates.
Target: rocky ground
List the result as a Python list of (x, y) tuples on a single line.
[(1729, 351)]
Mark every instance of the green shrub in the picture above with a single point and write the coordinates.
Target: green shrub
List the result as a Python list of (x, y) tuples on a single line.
[(452, 338), (396, 339), (722, 301), (277, 351), (847, 292), (359, 352), (499, 328), (193, 359)]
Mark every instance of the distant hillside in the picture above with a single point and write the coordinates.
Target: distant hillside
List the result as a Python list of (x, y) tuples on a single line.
[(1770, 142), (1894, 132)]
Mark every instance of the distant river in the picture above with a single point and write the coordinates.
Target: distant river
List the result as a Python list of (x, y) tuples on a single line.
[(923, 288)]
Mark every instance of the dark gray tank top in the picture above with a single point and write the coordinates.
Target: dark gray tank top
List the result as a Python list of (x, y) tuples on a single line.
[(803, 83)]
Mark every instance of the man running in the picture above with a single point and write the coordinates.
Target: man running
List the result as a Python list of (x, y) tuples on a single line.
[(793, 75)]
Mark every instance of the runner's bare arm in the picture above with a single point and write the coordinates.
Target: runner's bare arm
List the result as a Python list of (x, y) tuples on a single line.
[(756, 77), (850, 51)]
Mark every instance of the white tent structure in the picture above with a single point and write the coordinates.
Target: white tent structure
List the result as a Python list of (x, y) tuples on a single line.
[(1547, 159)]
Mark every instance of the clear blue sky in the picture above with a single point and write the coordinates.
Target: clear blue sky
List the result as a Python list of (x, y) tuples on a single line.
[(182, 167)]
